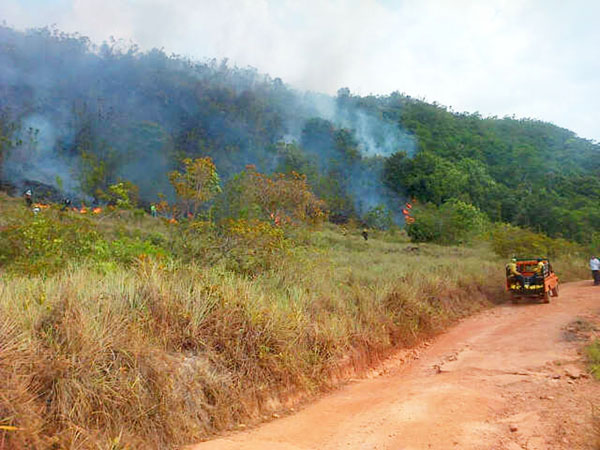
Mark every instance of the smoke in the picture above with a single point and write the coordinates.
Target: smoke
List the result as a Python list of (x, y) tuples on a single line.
[(123, 114), (376, 137), (373, 136), (36, 157)]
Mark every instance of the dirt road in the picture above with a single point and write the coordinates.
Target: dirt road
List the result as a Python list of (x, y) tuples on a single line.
[(510, 378)]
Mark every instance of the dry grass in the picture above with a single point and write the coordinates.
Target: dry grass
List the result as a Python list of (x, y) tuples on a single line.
[(164, 353)]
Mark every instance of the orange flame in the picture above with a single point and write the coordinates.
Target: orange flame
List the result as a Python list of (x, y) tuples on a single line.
[(96, 210)]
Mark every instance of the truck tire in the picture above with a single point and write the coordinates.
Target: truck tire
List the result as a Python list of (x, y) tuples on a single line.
[(546, 297)]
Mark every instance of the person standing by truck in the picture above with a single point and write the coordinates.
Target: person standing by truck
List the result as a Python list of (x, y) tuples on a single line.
[(595, 268)]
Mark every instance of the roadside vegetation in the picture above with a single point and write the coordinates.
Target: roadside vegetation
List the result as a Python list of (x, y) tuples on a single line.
[(119, 329), (592, 352)]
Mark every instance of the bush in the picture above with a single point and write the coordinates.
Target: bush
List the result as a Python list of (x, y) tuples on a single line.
[(508, 240), (252, 246), (42, 244), (126, 250), (454, 222), (379, 218), (282, 198)]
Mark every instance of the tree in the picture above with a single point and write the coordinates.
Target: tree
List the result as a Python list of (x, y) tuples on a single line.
[(197, 184), (124, 195), (453, 223), (379, 217), (428, 177), (281, 198)]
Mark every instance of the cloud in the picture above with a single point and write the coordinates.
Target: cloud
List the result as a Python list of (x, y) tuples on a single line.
[(531, 58)]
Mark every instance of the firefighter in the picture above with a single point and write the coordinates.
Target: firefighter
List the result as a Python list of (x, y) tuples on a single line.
[(513, 273), (153, 210), (365, 234), (27, 195), (538, 273), (541, 265), (66, 204)]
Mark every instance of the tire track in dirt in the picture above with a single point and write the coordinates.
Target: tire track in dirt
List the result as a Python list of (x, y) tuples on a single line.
[(509, 378)]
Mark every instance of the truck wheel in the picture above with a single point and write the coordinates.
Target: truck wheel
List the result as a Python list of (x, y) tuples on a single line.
[(546, 297)]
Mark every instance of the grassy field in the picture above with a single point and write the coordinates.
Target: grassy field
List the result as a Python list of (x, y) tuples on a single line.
[(126, 331)]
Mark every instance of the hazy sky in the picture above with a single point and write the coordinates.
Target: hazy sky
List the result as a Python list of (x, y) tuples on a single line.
[(530, 58)]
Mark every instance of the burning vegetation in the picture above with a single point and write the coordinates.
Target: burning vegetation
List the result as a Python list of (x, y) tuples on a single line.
[(107, 129)]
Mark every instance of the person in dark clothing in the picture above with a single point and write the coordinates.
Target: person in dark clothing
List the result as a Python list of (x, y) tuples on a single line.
[(365, 234), (66, 204), (27, 195)]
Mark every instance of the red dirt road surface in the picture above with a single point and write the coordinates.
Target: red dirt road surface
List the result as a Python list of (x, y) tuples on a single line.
[(510, 378)]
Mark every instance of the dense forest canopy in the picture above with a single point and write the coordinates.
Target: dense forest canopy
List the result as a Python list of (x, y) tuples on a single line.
[(80, 117)]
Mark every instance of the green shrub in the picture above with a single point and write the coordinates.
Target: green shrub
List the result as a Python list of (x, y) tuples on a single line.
[(508, 240), (252, 246), (454, 222), (126, 250), (379, 217), (43, 244)]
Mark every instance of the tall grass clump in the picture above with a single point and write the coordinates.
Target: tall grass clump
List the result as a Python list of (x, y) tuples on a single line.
[(592, 352)]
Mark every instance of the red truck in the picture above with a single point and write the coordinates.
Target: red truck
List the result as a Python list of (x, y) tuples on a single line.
[(537, 280)]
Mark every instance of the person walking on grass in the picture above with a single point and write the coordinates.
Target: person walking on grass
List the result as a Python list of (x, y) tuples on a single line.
[(28, 196), (595, 268)]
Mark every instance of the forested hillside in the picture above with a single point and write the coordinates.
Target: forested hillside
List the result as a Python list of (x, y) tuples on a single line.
[(173, 275), (80, 117), (526, 172)]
